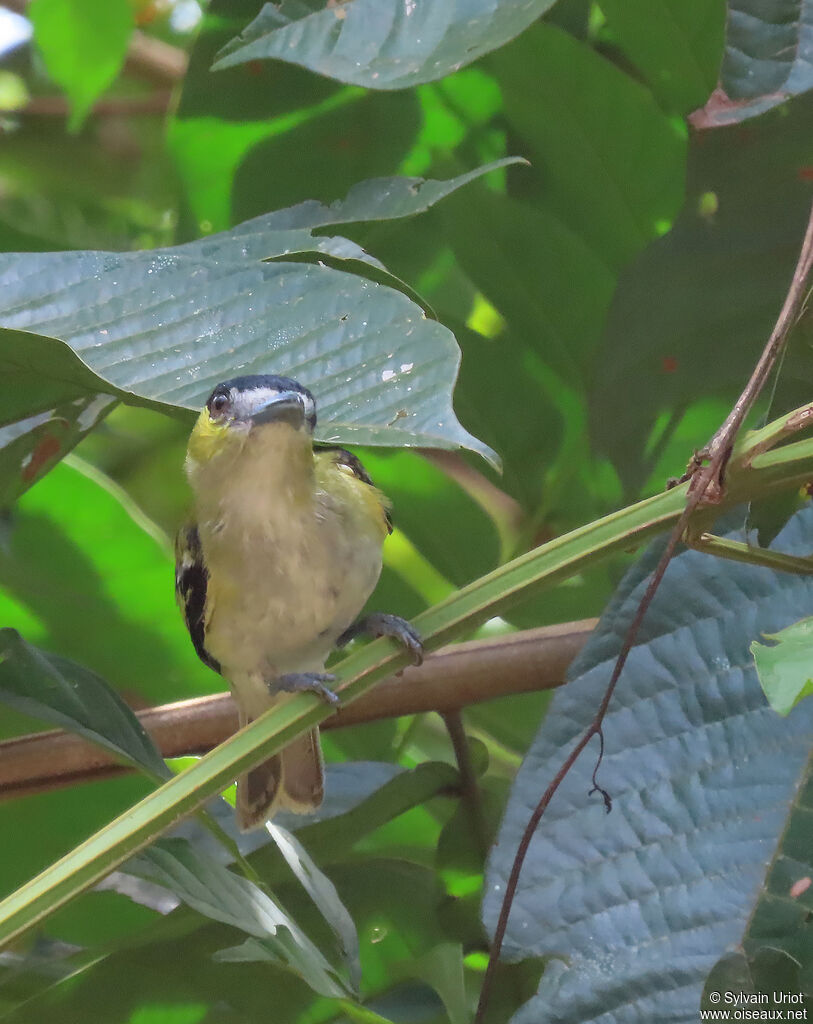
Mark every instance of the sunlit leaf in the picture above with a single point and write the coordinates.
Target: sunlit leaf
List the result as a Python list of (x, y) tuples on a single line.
[(83, 43), (785, 667)]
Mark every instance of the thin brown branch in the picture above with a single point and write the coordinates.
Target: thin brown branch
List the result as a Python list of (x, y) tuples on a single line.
[(155, 61), (126, 106), (707, 473), (469, 786), (506, 511), (452, 678)]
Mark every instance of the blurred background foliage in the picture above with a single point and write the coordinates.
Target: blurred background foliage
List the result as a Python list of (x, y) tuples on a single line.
[(609, 299)]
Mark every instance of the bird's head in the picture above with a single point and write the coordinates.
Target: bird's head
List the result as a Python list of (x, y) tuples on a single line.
[(277, 411)]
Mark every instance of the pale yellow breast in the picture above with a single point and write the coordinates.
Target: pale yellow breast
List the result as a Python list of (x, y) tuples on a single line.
[(290, 568)]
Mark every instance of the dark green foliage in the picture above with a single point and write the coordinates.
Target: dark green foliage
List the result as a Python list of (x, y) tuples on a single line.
[(608, 298)]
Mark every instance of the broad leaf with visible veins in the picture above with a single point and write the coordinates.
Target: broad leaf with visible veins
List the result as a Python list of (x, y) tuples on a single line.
[(161, 328), (709, 840)]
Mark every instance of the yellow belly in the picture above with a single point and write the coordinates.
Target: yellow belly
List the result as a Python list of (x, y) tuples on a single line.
[(282, 590)]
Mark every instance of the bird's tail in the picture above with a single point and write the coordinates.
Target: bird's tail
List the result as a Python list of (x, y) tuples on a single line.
[(292, 780)]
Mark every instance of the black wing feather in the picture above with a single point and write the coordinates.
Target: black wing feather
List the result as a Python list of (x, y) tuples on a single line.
[(353, 462), (191, 580)]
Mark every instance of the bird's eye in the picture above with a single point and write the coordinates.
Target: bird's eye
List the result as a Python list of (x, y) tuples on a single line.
[(219, 403)]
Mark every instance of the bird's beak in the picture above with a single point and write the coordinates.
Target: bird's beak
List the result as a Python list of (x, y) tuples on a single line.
[(286, 407)]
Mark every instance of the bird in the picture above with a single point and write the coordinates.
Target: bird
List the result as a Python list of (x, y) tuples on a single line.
[(281, 552)]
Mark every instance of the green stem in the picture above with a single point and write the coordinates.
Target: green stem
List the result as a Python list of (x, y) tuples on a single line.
[(737, 551)]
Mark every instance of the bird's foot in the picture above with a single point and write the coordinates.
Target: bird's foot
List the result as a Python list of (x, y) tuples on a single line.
[(381, 624), (306, 682)]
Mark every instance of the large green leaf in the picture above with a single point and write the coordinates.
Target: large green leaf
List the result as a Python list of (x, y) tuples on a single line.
[(611, 163), (774, 953), (676, 44), (64, 694), (381, 371), (381, 45), (704, 778), (740, 231), (552, 286)]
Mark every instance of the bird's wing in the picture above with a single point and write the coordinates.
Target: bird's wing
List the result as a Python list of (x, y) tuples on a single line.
[(191, 579), (343, 457)]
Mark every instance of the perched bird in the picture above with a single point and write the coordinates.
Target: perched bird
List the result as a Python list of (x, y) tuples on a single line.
[(283, 552)]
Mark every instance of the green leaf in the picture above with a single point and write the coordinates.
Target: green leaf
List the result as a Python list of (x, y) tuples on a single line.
[(213, 890), (83, 43), (41, 373), (381, 45), (323, 893), (334, 837), (767, 49), (741, 231), (64, 694), (85, 573), (610, 162), (708, 784), (785, 668), (265, 135), (766, 972), (442, 968), (676, 44), (775, 953), (54, 400), (382, 373), (551, 285)]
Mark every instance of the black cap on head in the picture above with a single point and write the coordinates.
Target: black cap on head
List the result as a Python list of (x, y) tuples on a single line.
[(224, 398)]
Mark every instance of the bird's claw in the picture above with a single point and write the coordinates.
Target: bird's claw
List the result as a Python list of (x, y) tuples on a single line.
[(380, 624), (306, 682)]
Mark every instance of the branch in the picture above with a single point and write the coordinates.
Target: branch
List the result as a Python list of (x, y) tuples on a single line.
[(58, 106), (707, 487), (154, 60), (454, 677), (505, 511)]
